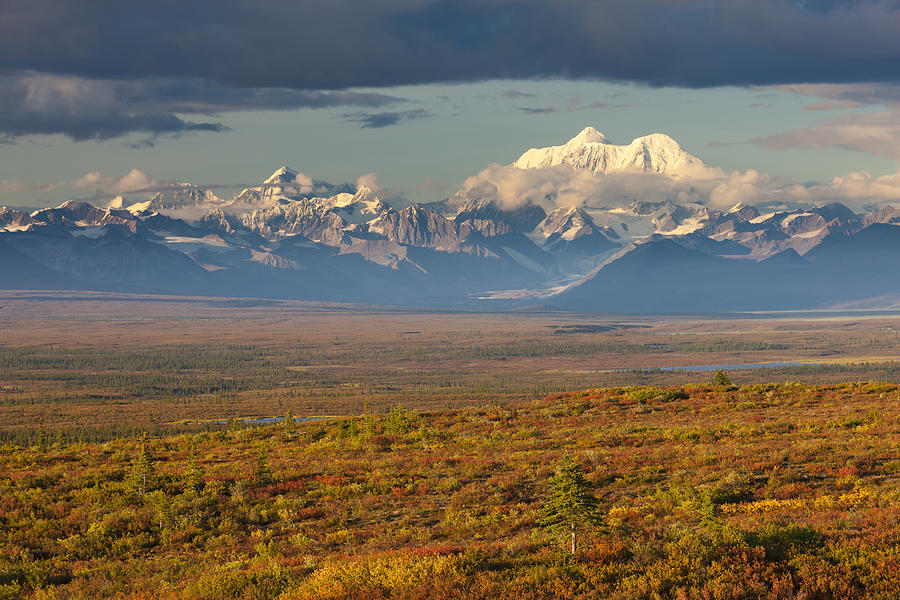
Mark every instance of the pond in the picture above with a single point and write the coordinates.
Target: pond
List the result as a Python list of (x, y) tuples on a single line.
[(744, 367)]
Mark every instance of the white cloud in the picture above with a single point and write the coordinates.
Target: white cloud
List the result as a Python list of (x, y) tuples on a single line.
[(304, 183), (562, 185), (368, 180), (557, 186), (133, 181), (844, 95), (89, 180), (748, 187), (13, 187), (859, 190), (872, 133), (876, 133)]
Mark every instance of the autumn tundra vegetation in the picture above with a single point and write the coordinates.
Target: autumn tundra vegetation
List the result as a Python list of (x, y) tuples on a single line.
[(196, 448), (777, 491)]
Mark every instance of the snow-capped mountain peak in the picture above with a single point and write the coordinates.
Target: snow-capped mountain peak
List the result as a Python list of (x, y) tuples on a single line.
[(654, 153), (356, 208), (280, 187), (282, 175), (14, 220), (364, 194), (589, 135), (178, 196)]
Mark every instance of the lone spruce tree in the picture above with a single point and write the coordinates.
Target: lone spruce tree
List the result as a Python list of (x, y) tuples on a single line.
[(571, 502), (721, 378), (193, 479), (42, 438), (144, 475), (264, 474)]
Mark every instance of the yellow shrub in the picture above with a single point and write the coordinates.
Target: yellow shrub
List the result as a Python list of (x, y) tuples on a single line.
[(337, 579)]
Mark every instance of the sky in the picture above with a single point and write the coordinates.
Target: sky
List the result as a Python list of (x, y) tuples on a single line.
[(101, 99)]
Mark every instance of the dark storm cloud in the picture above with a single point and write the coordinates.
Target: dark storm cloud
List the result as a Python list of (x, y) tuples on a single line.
[(538, 111), (333, 44), (202, 96), (34, 103), (385, 119), (218, 55), (573, 106)]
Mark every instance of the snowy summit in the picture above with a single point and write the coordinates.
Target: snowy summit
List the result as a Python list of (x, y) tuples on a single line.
[(655, 153)]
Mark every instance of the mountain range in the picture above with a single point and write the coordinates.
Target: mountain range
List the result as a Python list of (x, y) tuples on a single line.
[(484, 247)]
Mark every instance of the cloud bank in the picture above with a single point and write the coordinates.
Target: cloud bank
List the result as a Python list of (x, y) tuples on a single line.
[(94, 69), (344, 43), (86, 109), (563, 186)]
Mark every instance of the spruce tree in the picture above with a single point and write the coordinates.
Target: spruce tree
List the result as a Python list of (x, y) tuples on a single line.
[(722, 378), (144, 475), (289, 421), (194, 477), (42, 438), (264, 474), (571, 502), (368, 422)]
